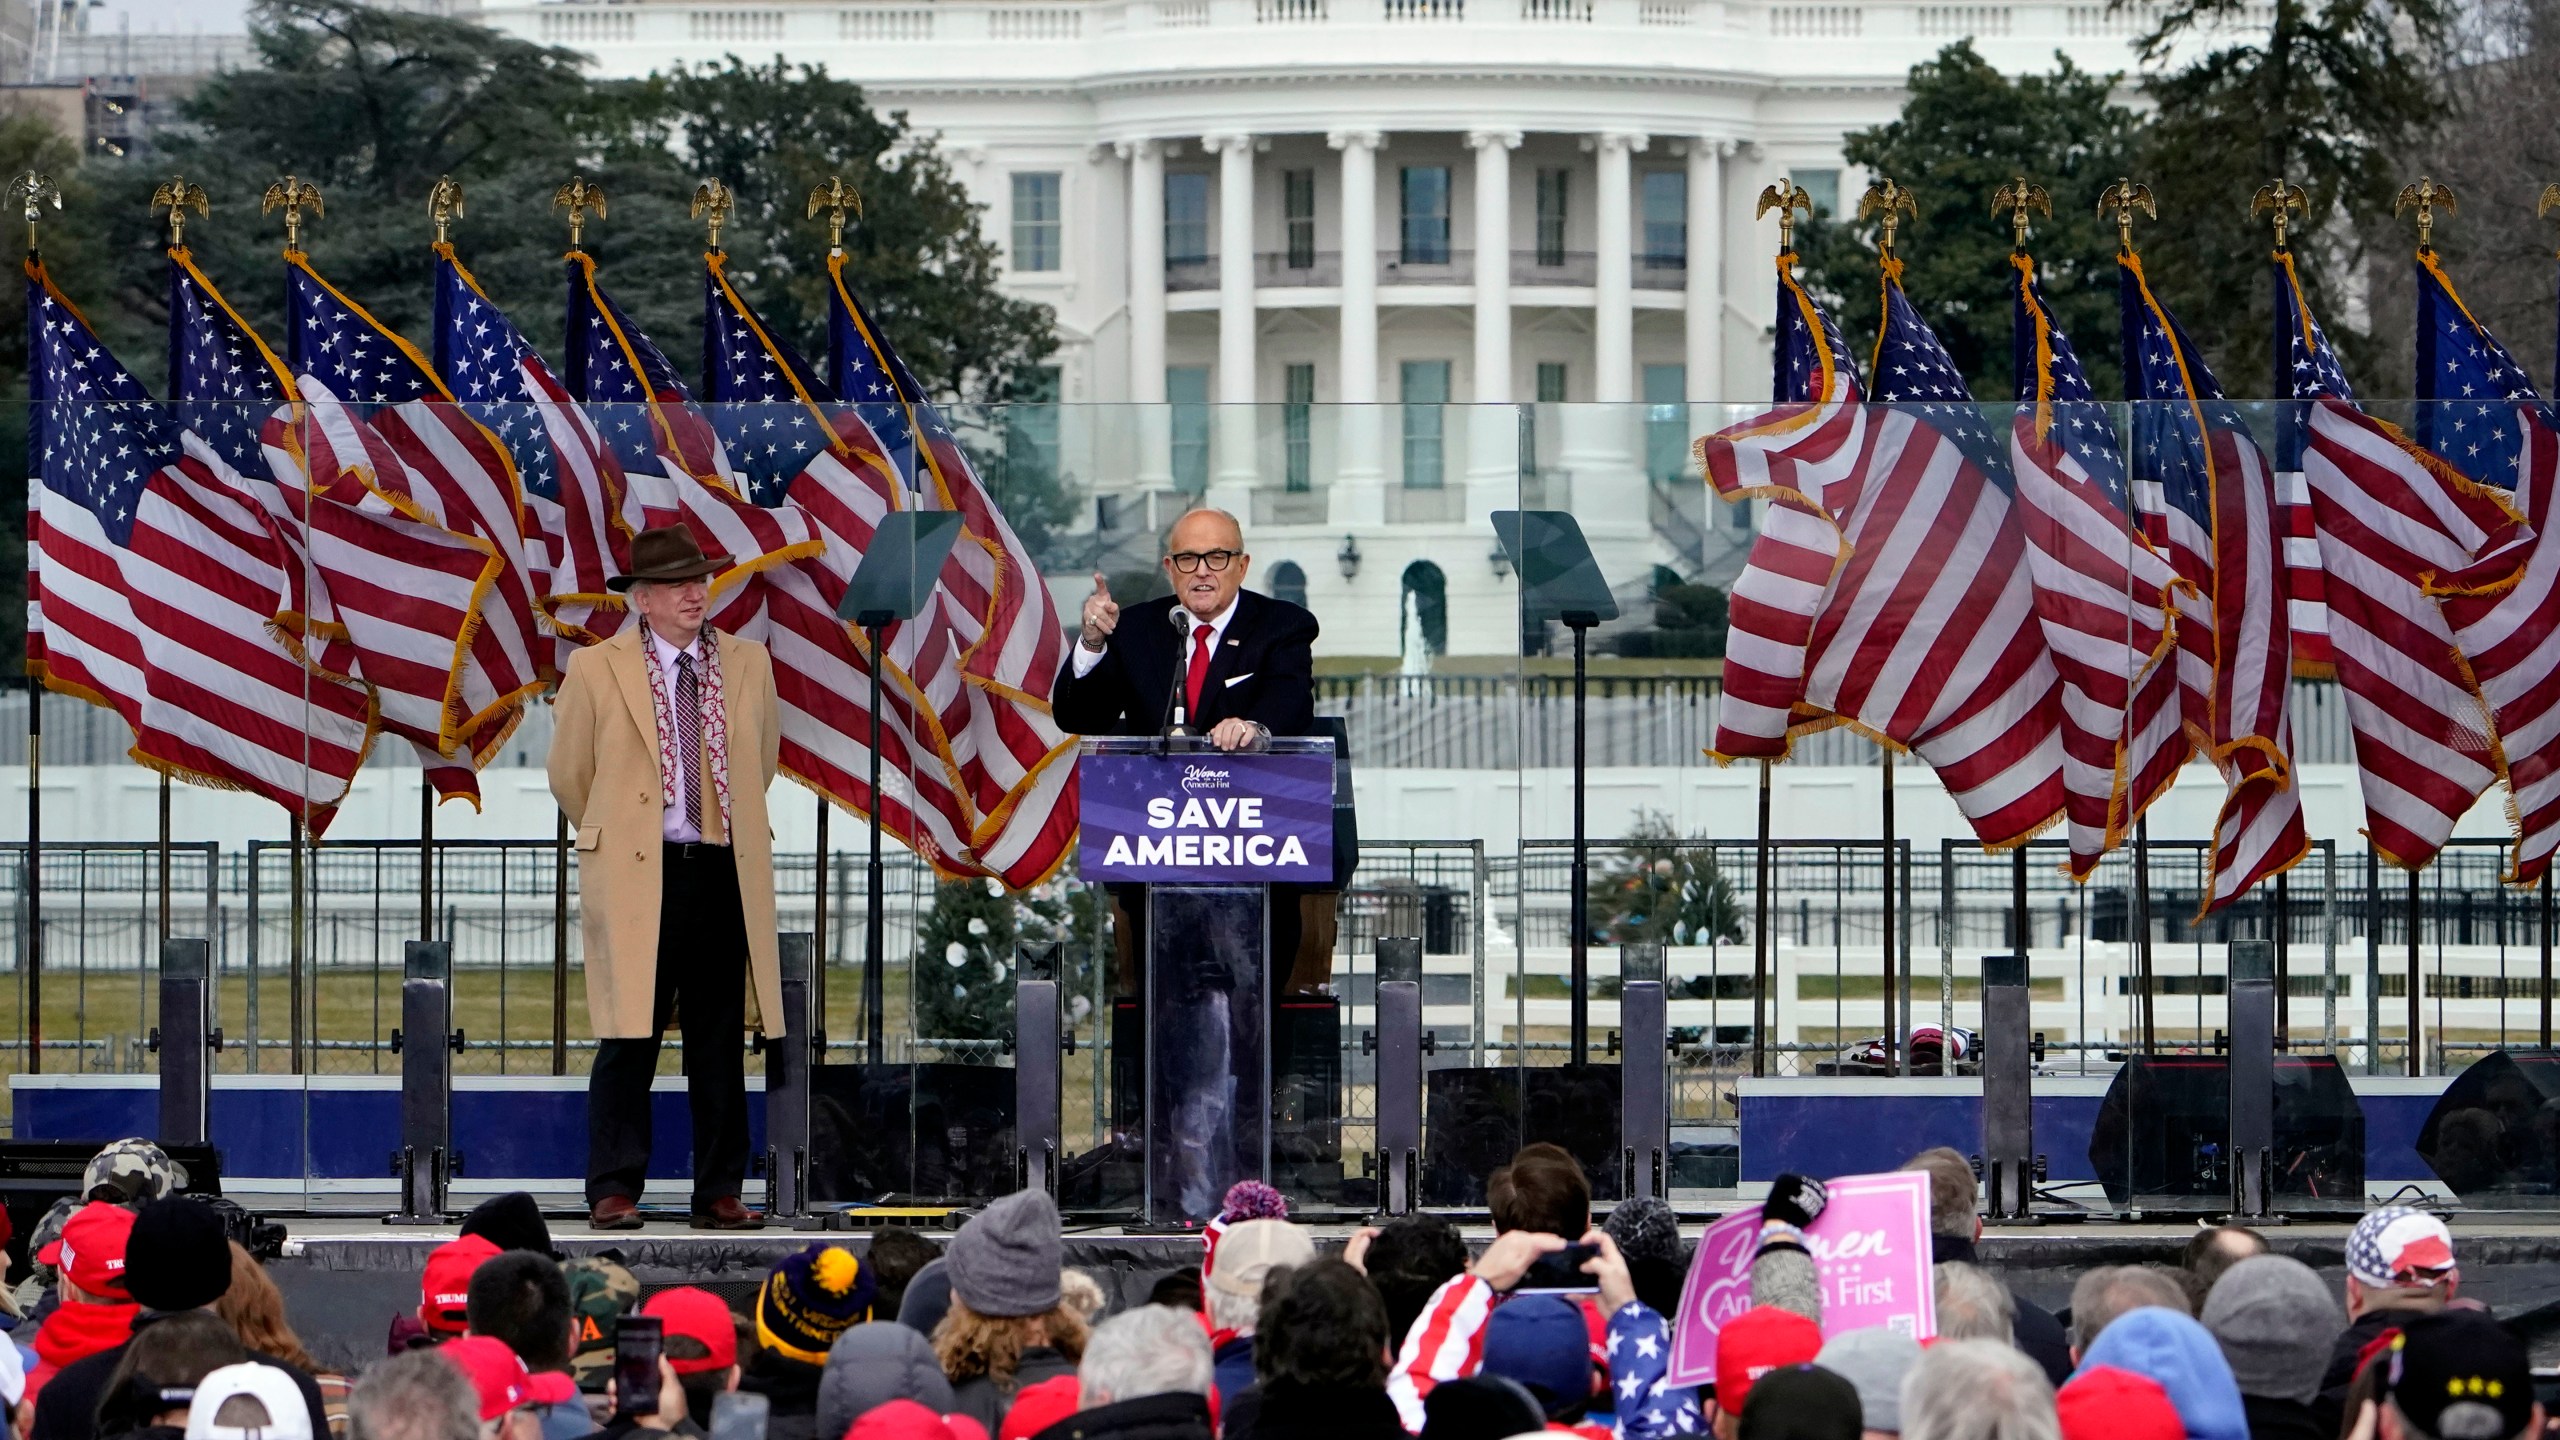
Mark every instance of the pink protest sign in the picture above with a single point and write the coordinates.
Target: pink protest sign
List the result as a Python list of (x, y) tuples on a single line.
[(1870, 1248)]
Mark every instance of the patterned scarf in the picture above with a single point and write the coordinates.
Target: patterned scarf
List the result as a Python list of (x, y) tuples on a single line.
[(715, 721)]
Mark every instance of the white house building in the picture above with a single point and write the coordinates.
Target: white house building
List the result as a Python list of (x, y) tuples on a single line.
[(1365, 271)]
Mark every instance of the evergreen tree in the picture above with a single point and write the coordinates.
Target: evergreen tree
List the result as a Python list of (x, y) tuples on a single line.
[(964, 962), (1964, 131), (1659, 889), (2329, 95)]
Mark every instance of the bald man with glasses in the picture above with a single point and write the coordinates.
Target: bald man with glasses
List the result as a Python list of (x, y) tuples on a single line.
[(1244, 672)]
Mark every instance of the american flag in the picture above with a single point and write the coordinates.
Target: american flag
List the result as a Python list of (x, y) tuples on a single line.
[(2208, 500), (2397, 530), (369, 591), (2479, 412), (1799, 457), (377, 416), (1017, 770), (1929, 638), (765, 406), (2102, 593), (157, 592), (576, 500), (672, 459)]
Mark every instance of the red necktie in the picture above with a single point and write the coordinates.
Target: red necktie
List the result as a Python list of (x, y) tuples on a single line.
[(1200, 642)]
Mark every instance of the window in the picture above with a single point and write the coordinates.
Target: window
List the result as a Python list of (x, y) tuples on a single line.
[(1426, 215), (1666, 219), (1186, 388), (1552, 189), (1550, 382), (1036, 224), (1298, 212), (1425, 389), (1424, 607), (1186, 217), (1666, 421), (1297, 425), (1289, 583), (1823, 188), (1031, 430)]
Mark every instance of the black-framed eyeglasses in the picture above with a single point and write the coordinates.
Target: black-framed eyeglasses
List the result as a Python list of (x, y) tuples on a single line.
[(1190, 561)]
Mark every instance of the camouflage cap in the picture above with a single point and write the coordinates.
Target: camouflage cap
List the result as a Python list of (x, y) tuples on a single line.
[(48, 1230), (601, 1291), (136, 1170)]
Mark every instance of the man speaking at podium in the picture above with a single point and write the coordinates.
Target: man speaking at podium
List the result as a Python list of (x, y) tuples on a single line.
[(1238, 667)]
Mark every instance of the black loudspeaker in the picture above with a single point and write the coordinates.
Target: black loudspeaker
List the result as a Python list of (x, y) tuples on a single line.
[(929, 1132), (1475, 1120), (2494, 1135), (2163, 1134), (35, 1173)]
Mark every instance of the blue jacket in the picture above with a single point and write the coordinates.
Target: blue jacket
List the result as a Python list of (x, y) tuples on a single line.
[(1231, 1370)]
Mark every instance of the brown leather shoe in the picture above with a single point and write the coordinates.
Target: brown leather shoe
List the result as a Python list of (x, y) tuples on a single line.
[(728, 1213), (614, 1212)]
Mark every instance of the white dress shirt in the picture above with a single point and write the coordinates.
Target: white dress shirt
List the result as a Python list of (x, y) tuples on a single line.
[(678, 829)]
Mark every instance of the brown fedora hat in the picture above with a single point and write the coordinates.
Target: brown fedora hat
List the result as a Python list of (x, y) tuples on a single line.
[(667, 555)]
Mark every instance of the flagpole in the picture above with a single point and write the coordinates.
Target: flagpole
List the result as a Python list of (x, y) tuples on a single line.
[(818, 922), (2142, 928), (294, 969), (426, 850), (2127, 199), (34, 190), (560, 942), (164, 857), (1893, 1036), (1760, 937)]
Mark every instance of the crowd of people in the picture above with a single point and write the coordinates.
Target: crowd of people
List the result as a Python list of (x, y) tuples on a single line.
[(144, 1319)]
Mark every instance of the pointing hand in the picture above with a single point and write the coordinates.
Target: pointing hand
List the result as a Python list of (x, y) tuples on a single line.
[(1101, 613)]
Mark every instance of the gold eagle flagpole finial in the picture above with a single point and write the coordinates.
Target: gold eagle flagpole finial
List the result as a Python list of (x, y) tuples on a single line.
[(1889, 201), (2020, 198), (2124, 198), (836, 198), (176, 195), (2284, 200), (291, 195), (712, 199), (444, 205), (2425, 197), (34, 190), (1786, 197), (2550, 201), (578, 197)]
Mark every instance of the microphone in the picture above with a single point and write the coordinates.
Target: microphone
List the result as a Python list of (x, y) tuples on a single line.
[(1182, 623)]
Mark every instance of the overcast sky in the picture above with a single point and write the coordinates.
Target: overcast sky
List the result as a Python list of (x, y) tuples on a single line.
[(206, 15)]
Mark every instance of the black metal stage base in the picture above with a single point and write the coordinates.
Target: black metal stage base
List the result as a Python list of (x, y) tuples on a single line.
[(344, 1279)]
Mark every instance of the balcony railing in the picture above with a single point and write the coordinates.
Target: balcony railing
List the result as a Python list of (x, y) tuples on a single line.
[(1554, 267), (1661, 272), (1305, 267), (1443, 267), (1196, 274)]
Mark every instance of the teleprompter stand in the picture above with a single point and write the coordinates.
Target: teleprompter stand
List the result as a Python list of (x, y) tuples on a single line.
[(1560, 581), (893, 583)]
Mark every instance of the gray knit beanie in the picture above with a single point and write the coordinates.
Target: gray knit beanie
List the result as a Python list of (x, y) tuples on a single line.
[(1645, 1229), (1005, 1262), (1874, 1360), (2276, 1322)]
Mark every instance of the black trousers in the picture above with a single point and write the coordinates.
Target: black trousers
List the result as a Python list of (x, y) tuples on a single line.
[(702, 987)]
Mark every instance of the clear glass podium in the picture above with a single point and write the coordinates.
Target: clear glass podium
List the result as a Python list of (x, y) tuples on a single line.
[(1206, 834)]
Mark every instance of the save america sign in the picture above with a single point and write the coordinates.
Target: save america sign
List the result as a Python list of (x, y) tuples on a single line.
[(1243, 819)]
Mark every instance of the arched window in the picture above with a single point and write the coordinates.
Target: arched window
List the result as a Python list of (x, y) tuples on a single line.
[(1289, 583), (1430, 591)]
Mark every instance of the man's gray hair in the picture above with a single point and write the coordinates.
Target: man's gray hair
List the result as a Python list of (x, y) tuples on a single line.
[(1973, 1304), (1152, 1350), (1977, 1390), (2110, 1290), (416, 1396), (1237, 1313)]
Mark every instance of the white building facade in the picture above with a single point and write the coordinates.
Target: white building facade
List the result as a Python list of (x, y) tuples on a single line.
[(1365, 271)]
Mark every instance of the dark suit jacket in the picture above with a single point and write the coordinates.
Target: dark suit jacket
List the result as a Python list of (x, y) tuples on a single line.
[(1264, 671)]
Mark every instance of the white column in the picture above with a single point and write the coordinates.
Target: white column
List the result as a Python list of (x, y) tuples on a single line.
[(1237, 420), (1493, 428), (1613, 321), (1706, 271), (1358, 496), (1153, 425)]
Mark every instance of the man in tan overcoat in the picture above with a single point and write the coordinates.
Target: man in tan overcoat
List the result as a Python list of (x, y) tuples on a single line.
[(666, 737)]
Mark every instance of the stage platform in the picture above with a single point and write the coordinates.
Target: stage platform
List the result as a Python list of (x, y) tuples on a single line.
[(346, 1276)]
